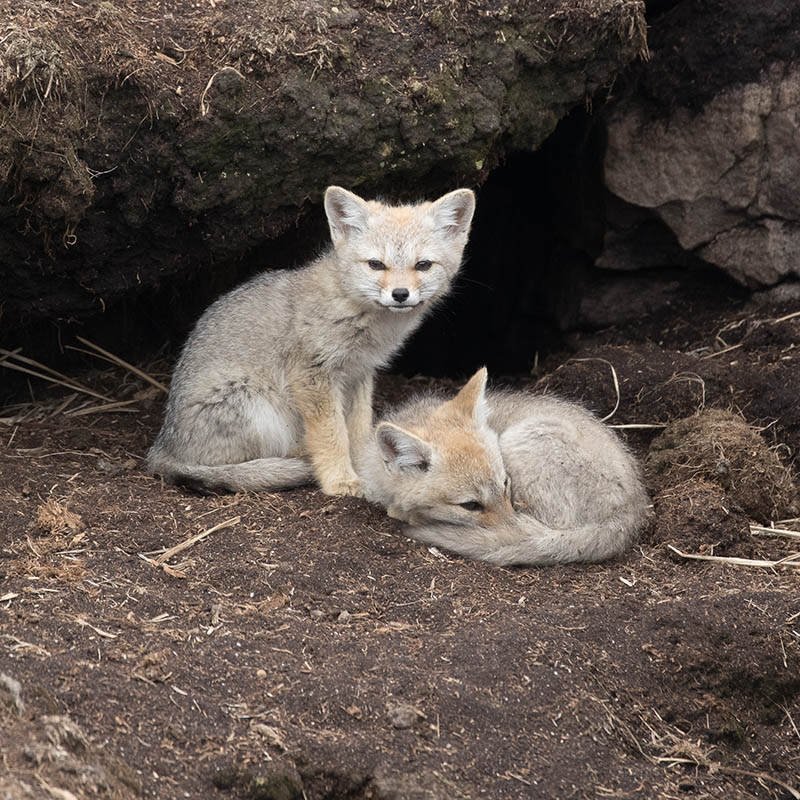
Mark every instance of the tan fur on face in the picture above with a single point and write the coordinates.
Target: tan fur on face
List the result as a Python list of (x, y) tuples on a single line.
[(468, 462), (399, 215), (395, 278)]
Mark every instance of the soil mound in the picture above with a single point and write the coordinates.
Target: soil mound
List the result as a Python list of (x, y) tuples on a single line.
[(697, 516), (718, 447)]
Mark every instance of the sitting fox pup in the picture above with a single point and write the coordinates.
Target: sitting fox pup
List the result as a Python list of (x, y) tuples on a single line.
[(506, 477), (274, 385)]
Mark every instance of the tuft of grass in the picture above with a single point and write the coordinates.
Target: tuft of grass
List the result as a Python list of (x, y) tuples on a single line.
[(32, 64), (55, 517)]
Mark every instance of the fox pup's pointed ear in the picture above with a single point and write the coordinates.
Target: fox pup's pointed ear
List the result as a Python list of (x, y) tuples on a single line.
[(402, 450), (346, 212), (471, 400), (452, 214)]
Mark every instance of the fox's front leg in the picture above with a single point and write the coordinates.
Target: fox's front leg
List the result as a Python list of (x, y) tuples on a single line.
[(319, 401), (359, 419)]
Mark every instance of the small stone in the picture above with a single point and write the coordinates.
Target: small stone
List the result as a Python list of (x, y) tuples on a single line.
[(355, 712), (271, 734), (316, 615), (11, 692), (344, 617), (403, 716), (261, 674)]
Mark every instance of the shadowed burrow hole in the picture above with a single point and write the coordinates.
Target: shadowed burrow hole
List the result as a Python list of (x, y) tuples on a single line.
[(529, 272), (537, 230)]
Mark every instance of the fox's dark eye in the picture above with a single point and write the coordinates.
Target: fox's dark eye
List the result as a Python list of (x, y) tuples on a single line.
[(422, 266), (472, 505), (375, 264)]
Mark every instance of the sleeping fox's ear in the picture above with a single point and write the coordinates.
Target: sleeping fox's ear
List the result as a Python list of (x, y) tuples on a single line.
[(402, 450), (346, 213), (452, 213), (471, 400)]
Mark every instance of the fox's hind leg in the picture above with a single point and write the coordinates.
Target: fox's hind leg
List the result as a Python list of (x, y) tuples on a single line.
[(231, 425)]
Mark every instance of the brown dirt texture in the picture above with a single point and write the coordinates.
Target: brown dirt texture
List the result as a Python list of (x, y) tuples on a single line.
[(299, 646)]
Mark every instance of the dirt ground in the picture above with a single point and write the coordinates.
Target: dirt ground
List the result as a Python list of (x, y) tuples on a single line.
[(304, 648)]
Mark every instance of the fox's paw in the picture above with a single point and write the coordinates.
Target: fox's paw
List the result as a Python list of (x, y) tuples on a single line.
[(349, 487)]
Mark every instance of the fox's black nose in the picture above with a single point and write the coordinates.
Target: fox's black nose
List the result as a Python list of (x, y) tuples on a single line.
[(400, 295)]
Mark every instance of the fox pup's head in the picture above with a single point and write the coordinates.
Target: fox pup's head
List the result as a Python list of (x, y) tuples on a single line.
[(398, 257), (450, 469)]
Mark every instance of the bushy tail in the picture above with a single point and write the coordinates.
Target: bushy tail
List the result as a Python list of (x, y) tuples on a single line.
[(259, 475), (528, 541)]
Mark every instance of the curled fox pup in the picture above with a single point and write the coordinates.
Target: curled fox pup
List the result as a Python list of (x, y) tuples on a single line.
[(274, 385), (506, 477)]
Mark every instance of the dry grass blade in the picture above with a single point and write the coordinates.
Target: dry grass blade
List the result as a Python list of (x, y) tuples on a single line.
[(46, 374), (124, 364), (721, 352), (17, 355), (691, 377), (120, 406), (105, 634), (616, 384), (681, 751), (762, 776), (758, 530), (63, 405), (789, 561), (739, 323), (204, 106), (623, 726), (640, 426), (784, 318), (192, 540), (54, 791), (791, 721), (175, 573)]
